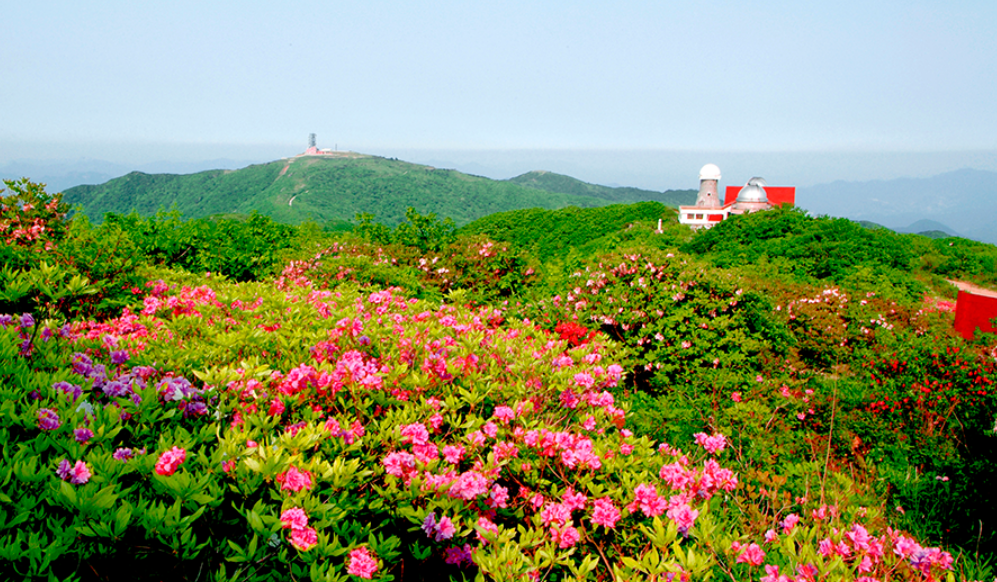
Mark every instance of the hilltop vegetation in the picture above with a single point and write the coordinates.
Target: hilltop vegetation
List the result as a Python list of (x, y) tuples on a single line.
[(552, 182), (556, 233), (331, 190), (780, 396)]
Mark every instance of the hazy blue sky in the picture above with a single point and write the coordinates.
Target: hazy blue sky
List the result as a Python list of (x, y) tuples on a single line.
[(139, 81)]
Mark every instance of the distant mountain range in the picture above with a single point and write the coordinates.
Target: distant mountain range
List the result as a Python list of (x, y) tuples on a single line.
[(335, 188), (960, 203)]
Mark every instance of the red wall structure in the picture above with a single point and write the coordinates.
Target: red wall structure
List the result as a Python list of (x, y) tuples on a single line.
[(974, 311), (777, 195)]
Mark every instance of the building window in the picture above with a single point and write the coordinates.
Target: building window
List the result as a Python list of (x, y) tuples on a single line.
[(699, 217)]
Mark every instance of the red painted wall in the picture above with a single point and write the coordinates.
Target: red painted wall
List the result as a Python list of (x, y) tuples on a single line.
[(974, 311), (777, 194)]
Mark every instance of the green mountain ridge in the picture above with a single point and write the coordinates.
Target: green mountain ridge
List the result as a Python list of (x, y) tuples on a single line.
[(552, 182), (328, 189)]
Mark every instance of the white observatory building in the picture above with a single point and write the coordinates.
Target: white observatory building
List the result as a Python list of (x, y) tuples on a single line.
[(754, 196)]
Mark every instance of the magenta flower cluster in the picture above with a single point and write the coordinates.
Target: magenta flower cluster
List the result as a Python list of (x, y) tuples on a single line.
[(76, 473)]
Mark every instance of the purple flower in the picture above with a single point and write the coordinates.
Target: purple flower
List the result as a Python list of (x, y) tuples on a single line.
[(70, 389), (82, 364), (46, 334), (48, 419), (123, 454), (459, 555), (429, 524), (133, 377), (5, 320), (82, 435), (175, 389), (64, 470), (196, 408), (27, 320), (115, 388), (119, 356), (99, 375)]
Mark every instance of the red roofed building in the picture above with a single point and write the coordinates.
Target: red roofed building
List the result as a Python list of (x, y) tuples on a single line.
[(754, 196)]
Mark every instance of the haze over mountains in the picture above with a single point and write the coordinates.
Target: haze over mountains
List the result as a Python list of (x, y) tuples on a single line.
[(963, 202)]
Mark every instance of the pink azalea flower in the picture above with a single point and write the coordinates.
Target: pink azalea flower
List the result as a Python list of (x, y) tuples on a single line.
[(772, 575), (604, 513), (453, 453), (556, 514), (399, 464), (684, 517), (415, 434), (567, 537), (445, 529), (648, 500), (170, 460), (304, 539), (361, 563), (503, 414), (469, 485), (485, 525), (294, 480), (584, 380), (713, 444), (294, 518), (573, 500), (752, 555), (499, 497)]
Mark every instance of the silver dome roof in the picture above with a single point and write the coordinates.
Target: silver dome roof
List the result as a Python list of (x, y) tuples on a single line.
[(753, 191)]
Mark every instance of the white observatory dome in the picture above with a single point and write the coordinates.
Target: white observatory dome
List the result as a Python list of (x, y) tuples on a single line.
[(709, 172), (753, 191)]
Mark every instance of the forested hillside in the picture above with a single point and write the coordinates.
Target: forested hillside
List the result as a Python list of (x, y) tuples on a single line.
[(552, 182), (333, 190), (543, 395)]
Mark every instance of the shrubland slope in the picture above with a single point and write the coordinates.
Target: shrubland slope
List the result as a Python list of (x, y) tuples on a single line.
[(782, 393)]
